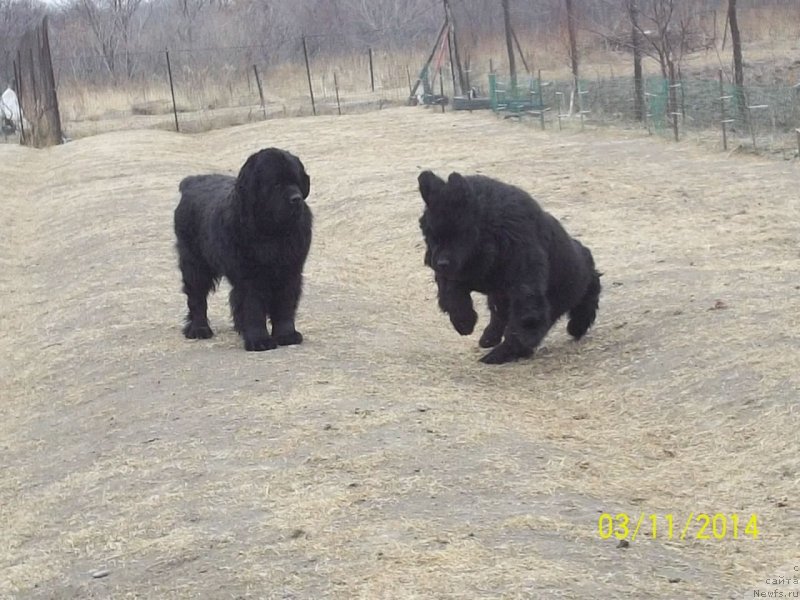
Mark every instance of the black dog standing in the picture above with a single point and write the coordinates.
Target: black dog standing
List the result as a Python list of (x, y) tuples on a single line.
[(254, 230), (487, 236)]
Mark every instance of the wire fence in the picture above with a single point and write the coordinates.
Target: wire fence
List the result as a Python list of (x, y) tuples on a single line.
[(206, 88), (756, 118)]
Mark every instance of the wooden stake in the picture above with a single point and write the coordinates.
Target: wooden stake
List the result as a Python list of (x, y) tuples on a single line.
[(308, 74), (172, 91), (260, 92), (336, 87)]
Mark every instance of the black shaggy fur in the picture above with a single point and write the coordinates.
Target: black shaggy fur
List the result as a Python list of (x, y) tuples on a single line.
[(254, 230), (487, 236)]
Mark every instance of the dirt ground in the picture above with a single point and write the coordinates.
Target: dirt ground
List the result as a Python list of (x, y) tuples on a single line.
[(380, 460)]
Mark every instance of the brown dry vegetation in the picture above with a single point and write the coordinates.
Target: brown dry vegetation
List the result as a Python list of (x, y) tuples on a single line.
[(206, 102), (770, 39), (380, 459)]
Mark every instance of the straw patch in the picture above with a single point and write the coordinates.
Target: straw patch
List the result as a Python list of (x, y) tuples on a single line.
[(380, 459)]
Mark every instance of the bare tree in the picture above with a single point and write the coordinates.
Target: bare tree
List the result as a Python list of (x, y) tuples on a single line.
[(573, 47), (381, 15), (190, 11), (453, 41), (111, 22), (736, 43), (512, 67), (666, 29), (636, 47), (16, 17)]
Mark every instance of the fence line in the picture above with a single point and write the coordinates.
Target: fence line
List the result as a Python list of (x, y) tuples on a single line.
[(757, 117), (237, 84)]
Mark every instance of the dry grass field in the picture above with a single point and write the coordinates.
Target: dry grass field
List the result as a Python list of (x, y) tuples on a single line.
[(380, 460)]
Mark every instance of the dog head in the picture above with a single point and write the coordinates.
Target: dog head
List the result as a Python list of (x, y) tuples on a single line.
[(450, 222), (273, 185)]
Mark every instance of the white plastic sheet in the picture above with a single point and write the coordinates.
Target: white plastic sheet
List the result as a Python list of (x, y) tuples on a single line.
[(9, 107)]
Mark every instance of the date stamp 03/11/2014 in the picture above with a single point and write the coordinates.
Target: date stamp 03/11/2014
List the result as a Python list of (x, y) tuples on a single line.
[(696, 526)]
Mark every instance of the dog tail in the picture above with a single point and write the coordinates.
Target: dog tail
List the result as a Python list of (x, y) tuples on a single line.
[(583, 314)]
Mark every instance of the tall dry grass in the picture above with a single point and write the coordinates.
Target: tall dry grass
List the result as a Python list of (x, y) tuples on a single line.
[(770, 33)]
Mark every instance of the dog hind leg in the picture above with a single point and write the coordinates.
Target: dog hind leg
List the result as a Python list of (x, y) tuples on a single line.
[(528, 324), (198, 281), (493, 334)]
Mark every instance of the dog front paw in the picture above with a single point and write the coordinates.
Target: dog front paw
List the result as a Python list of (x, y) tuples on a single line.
[(464, 323), (490, 338), (198, 331), (259, 344), (289, 339), (504, 353)]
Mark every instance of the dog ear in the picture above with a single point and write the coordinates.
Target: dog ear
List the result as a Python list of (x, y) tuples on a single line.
[(429, 185), (304, 179), (458, 184), (245, 180)]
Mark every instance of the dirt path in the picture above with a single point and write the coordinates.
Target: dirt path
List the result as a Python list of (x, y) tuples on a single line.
[(380, 459)]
